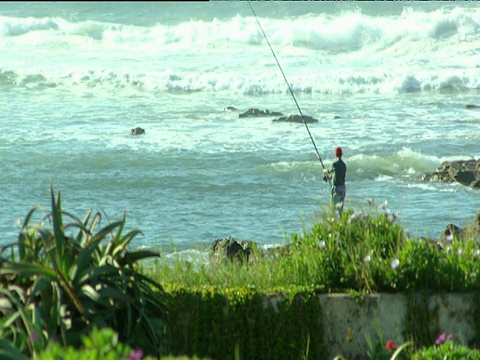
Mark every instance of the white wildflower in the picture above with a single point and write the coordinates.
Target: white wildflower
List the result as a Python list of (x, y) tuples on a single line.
[(367, 258), (354, 217), (395, 263), (321, 244)]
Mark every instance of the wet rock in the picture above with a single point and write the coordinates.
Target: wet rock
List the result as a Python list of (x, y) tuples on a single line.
[(240, 252), (138, 131), (296, 119), (259, 113), (465, 172), (454, 232), (229, 249)]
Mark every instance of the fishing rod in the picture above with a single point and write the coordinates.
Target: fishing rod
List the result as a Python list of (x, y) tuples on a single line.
[(289, 88)]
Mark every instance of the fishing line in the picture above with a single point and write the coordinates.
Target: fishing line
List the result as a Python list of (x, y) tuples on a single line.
[(289, 88)]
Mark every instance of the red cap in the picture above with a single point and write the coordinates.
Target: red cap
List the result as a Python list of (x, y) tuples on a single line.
[(338, 151)]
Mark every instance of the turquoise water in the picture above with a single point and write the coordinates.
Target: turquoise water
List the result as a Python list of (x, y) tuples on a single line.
[(388, 83)]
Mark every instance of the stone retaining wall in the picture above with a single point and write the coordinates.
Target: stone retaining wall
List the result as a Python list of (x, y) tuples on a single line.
[(349, 321)]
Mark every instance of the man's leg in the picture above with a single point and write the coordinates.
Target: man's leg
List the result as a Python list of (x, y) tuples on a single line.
[(337, 203)]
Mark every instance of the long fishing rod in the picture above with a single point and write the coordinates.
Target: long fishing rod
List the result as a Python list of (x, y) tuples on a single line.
[(289, 88)]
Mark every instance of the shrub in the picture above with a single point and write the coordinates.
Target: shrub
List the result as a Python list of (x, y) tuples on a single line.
[(448, 350), (366, 251), (64, 280)]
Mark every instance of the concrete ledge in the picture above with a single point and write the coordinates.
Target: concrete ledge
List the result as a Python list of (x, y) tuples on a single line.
[(349, 321)]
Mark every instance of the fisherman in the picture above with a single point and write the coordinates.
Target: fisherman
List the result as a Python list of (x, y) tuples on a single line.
[(337, 173), (338, 169)]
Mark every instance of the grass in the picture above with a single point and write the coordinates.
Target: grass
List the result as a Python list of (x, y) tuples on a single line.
[(366, 251)]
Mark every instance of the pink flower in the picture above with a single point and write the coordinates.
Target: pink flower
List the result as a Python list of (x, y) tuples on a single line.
[(34, 336), (390, 346), (443, 337), (136, 355)]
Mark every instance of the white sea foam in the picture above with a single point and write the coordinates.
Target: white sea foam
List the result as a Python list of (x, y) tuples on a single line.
[(337, 53), (388, 84)]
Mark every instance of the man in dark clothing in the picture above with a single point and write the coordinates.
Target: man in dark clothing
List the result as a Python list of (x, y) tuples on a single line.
[(337, 173)]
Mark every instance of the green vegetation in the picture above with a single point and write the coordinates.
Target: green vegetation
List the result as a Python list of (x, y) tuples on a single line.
[(364, 252), (446, 350), (59, 286), (72, 290)]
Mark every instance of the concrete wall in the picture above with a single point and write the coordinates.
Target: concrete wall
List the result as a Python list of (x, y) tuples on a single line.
[(349, 321)]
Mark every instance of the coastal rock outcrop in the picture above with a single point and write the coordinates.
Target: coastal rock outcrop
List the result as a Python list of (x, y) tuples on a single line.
[(465, 172), (247, 252), (296, 119), (241, 252), (252, 112), (229, 249), (452, 231), (138, 131)]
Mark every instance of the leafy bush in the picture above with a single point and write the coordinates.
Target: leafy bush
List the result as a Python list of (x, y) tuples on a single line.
[(99, 344), (359, 253), (65, 280), (448, 350), (366, 251)]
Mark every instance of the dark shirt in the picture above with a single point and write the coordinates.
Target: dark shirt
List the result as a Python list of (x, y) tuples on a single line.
[(339, 171)]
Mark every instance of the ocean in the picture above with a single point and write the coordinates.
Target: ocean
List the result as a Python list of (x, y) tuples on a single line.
[(388, 82)]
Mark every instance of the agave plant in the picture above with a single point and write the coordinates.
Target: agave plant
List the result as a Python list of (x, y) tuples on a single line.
[(66, 279)]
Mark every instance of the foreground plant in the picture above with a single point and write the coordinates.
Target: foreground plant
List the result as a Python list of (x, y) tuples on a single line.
[(99, 344), (363, 251), (354, 252), (62, 281), (446, 348)]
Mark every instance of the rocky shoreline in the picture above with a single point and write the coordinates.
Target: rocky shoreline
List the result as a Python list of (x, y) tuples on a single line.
[(230, 249), (465, 172)]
